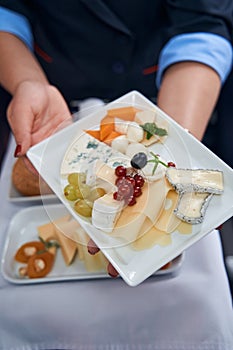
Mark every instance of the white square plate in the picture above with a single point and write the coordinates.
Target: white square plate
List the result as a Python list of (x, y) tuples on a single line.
[(180, 147)]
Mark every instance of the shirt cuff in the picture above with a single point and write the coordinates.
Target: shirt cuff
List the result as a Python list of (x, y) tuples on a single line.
[(15, 23), (207, 48)]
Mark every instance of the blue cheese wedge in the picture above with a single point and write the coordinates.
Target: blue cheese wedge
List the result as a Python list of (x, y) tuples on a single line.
[(195, 180), (84, 151)]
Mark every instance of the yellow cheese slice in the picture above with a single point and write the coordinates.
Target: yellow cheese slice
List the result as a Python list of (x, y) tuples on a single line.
[(149, 205), (168, 221), (62, 231), (66, 234), (92, 263), (47, 231)]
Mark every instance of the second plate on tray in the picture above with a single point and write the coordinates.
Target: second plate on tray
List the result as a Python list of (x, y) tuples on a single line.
[(23, 229)]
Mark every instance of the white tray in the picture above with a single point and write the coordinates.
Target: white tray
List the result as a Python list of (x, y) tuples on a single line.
[(23, 228), (15, 197), (180, 147)]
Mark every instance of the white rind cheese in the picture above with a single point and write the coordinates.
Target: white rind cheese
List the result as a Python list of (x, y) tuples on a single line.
[(192, 206), (105, 212), (195, 180)]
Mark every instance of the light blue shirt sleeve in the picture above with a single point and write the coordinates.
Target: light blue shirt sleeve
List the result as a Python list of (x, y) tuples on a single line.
[(15, 23), (207, 48)]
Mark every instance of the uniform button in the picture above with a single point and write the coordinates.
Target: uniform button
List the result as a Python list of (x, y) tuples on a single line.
[(118, 67)]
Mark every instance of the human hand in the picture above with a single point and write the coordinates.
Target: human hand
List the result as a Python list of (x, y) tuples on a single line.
[(35, 112), (93, 249)]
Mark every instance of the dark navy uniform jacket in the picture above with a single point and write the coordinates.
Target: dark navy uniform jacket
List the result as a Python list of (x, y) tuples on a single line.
[(105, 48)]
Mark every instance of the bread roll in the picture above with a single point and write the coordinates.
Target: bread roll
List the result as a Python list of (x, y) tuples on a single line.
[(27, 183)]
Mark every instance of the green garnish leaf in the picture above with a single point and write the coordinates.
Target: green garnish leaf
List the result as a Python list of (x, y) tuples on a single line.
[(49, 244), (152, 129), (156, 161)]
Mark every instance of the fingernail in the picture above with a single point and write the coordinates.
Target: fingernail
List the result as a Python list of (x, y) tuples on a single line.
[(17, 151), (112, 271), (92, 247)]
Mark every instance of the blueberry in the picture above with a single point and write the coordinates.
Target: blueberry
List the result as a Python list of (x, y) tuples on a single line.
[(139, 160)]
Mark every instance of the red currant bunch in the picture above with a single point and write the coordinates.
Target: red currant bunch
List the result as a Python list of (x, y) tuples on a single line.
[(171, 164), (129, 186)]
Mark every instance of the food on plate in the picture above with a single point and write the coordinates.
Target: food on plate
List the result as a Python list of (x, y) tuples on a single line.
[(85, 151), (28, 249), (125, 113), (92, 263), (120, 144), (105, 212), (136, 125), (26, 182), (37, 258), (196, 180), (81, 194), (192, 206), (140, 194), (58, 230), (39, 265), (196, 188), (139, 160)]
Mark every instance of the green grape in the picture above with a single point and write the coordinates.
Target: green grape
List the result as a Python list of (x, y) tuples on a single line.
[(96, 193), (84, 190), (70, 193), (77, 179), (83, 207)]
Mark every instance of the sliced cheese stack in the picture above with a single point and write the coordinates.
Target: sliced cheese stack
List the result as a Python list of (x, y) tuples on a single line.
[(127, 222), (73, 241)]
